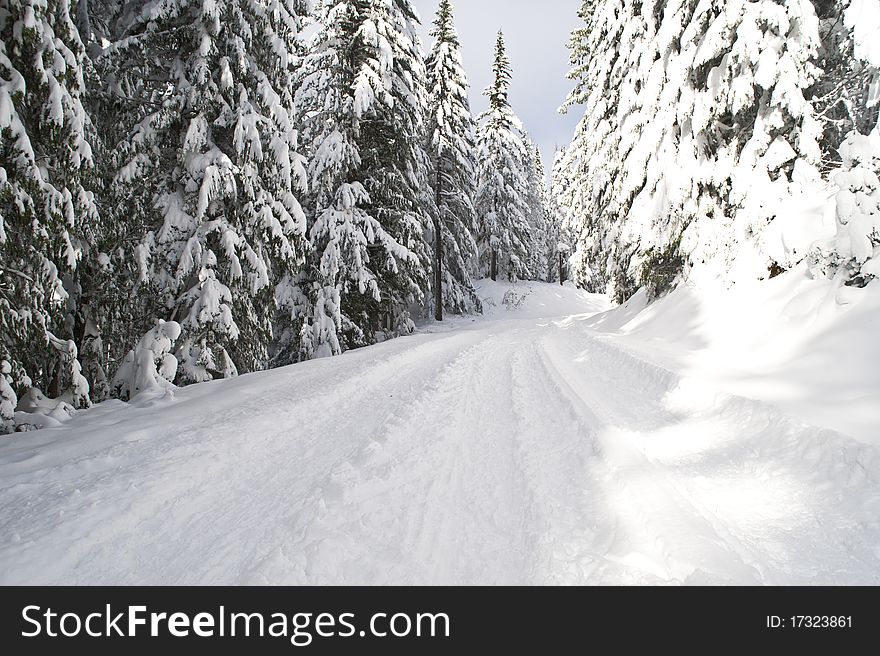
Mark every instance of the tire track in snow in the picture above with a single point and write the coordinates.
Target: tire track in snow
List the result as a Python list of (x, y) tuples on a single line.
[(242, 495), (289, 549), (556, 452), (657, 530), (434, 503)]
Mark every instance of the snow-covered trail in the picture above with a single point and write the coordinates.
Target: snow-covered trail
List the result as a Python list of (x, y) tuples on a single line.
[(518, 449)]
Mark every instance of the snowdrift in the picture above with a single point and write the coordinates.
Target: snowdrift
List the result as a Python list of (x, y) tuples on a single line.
[(807, 345)]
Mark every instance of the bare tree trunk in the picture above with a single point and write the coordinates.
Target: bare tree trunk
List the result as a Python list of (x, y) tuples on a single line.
[(561, 270), (438, 247)]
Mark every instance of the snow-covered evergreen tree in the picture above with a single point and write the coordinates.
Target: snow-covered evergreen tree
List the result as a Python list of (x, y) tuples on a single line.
[(361, 98), (47, 213), (591, 164), (862, 18), (453, 149), (8, 398), (849, 110), (198, 108), (396, 170), (560, 195), (539, 219), (503, 232)]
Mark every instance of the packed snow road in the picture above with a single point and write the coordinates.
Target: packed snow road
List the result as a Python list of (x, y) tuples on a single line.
[(524, 448)]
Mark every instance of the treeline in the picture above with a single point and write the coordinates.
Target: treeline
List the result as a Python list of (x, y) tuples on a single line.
[(714, 134), (194, 189)]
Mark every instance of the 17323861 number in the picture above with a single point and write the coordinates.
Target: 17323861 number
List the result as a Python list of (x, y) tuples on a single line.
[(821, 622)]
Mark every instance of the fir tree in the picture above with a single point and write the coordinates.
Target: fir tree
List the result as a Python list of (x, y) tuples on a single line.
[(858, 206), (847, 102), (452, 146), (502, 195), (558, 237), (845, 96), (395, 168), (47, 214), (368, 242), (538, 214), (206, 173)]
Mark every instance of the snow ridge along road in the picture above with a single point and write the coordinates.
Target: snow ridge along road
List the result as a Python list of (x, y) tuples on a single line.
[(520, 448)]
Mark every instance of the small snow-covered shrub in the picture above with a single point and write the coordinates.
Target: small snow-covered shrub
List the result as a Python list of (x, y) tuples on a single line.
[(35, 411), (661, 269), (77, 393), (513, 300), (150, 366), (858, 201), (403, 323), (854, 252)]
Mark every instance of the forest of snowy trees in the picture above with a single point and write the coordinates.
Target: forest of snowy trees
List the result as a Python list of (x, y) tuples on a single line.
[(195, 189), (714, 134)]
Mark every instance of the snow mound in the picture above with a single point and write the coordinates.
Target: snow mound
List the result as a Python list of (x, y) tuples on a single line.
[(805, 345), (36, 411)]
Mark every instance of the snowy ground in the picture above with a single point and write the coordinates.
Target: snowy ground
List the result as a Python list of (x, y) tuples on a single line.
[(549, 443)]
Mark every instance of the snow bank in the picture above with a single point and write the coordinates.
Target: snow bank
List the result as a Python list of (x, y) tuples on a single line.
[(806, 345)]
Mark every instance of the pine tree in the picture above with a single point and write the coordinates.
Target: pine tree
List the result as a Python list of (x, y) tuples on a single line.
[(8, 398), (558, 238), (606, 84), (396, 170), (538, 214), (47, 213), (502, 194), (452, 145), (368, 242), (198, 110)]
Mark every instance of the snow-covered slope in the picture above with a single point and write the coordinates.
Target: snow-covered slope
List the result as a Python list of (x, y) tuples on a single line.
[(808, 346), (544, 443)]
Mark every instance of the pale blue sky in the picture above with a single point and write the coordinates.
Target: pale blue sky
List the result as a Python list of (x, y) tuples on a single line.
[(536, 32)]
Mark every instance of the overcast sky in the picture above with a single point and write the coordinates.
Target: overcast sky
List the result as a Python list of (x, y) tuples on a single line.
[(536, 32)]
